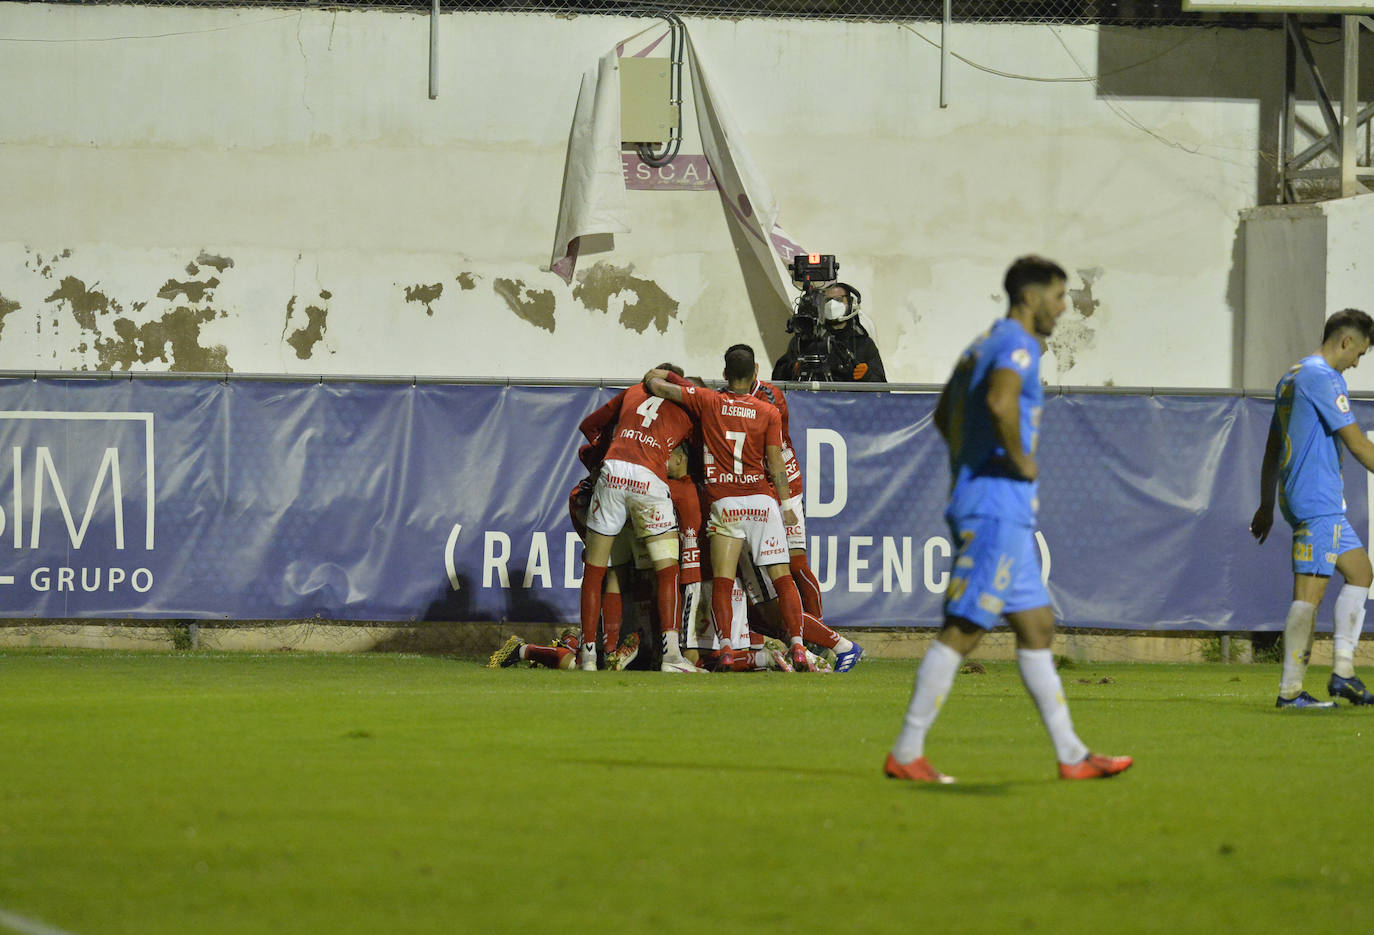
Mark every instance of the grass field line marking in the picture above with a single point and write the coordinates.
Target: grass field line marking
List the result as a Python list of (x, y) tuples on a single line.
[(26, 926)]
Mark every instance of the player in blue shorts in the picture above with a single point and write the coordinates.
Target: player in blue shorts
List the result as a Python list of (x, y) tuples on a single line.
[(1312, 419), (989, 416)]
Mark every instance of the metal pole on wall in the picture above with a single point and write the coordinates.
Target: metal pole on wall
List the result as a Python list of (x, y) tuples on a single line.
[(944, 47), (1350, 104), (434, 50)]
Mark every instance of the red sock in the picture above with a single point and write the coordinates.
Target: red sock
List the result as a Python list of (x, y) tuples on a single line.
[(807, 585), (813, 631), (544, 655), (789, 604), (723, 607), (668, 597), (611, 609), (593, 577)]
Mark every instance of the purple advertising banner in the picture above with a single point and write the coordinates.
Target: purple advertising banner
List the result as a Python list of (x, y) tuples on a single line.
[(257, 499)]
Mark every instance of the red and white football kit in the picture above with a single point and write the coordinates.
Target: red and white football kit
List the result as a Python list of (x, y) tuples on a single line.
[(737, 429), (633, 487)]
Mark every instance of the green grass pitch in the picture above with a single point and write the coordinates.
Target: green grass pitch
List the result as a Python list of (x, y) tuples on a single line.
[(207, 793)]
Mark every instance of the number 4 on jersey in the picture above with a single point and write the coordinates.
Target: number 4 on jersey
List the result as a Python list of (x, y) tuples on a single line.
[(648, 410)]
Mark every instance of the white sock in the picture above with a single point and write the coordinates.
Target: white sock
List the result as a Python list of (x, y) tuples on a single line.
[(934, 678), (843, 645), (796, 641), (672, 648), (1349, 622), (1042, 682), (1297, 647)]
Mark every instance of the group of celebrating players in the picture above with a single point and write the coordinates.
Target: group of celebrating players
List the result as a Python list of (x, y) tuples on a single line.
[(682, 477), (668, 454)]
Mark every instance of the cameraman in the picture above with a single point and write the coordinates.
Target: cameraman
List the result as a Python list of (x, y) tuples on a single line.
[(847, 351)]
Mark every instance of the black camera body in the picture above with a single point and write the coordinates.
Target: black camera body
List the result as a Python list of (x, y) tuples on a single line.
[(815, 343)]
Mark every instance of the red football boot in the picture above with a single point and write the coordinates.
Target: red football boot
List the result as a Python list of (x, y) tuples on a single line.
[(918, 770), (1095, 766)]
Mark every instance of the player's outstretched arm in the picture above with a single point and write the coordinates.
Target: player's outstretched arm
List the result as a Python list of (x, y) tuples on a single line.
[(1263, 520), (1004, 404), (656, 382)]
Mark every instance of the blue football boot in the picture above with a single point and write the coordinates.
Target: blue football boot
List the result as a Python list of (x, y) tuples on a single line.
[(848, 660), (1303, 700), (1351, 689)]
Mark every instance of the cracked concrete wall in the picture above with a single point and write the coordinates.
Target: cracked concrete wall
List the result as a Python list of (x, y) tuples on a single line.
[(314, 212)]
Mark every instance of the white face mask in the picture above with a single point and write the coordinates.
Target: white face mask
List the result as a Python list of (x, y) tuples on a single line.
[(834, 310)]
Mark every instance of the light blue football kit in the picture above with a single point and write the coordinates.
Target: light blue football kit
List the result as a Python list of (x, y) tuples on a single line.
[(991, 509), (1311, 404)]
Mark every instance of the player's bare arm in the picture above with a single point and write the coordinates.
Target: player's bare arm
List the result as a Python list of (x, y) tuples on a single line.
[(1004, 404), (1263, 520), (777, 471), (1358, 444), (656, 382)]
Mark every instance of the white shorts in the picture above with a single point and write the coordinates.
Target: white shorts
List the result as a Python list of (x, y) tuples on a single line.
[(630, 492), (700, 633), (796, 535), (755, 519)]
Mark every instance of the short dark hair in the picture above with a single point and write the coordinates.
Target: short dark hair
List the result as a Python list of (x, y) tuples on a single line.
[(671, 368), (1351, 319), (739, 362), (1030, 270)]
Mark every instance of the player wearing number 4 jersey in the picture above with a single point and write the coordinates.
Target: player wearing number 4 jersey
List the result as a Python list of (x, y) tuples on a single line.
[(1311, 420), (633, 488), (989, 415), (746, 481)]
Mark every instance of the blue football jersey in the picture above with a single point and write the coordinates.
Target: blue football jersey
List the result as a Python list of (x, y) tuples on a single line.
[(1310, 406), (984, 483)]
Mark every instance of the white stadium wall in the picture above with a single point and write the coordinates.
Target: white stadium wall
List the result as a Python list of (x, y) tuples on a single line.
[(266, 190)]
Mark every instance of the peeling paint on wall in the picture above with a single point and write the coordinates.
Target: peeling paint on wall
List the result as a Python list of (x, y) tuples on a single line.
[(173, 339), (194, 290), (84, 303), (645, 302), (426, 295), (303, 340), (45, 269), (467, 281), (218, 263), (120, 343), (1082, 299), (1073, 335), (6, 306), (535, 306)]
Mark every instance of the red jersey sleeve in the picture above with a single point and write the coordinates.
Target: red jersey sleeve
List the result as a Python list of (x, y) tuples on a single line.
[(696, 398), (772, 424), (602, 420)]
